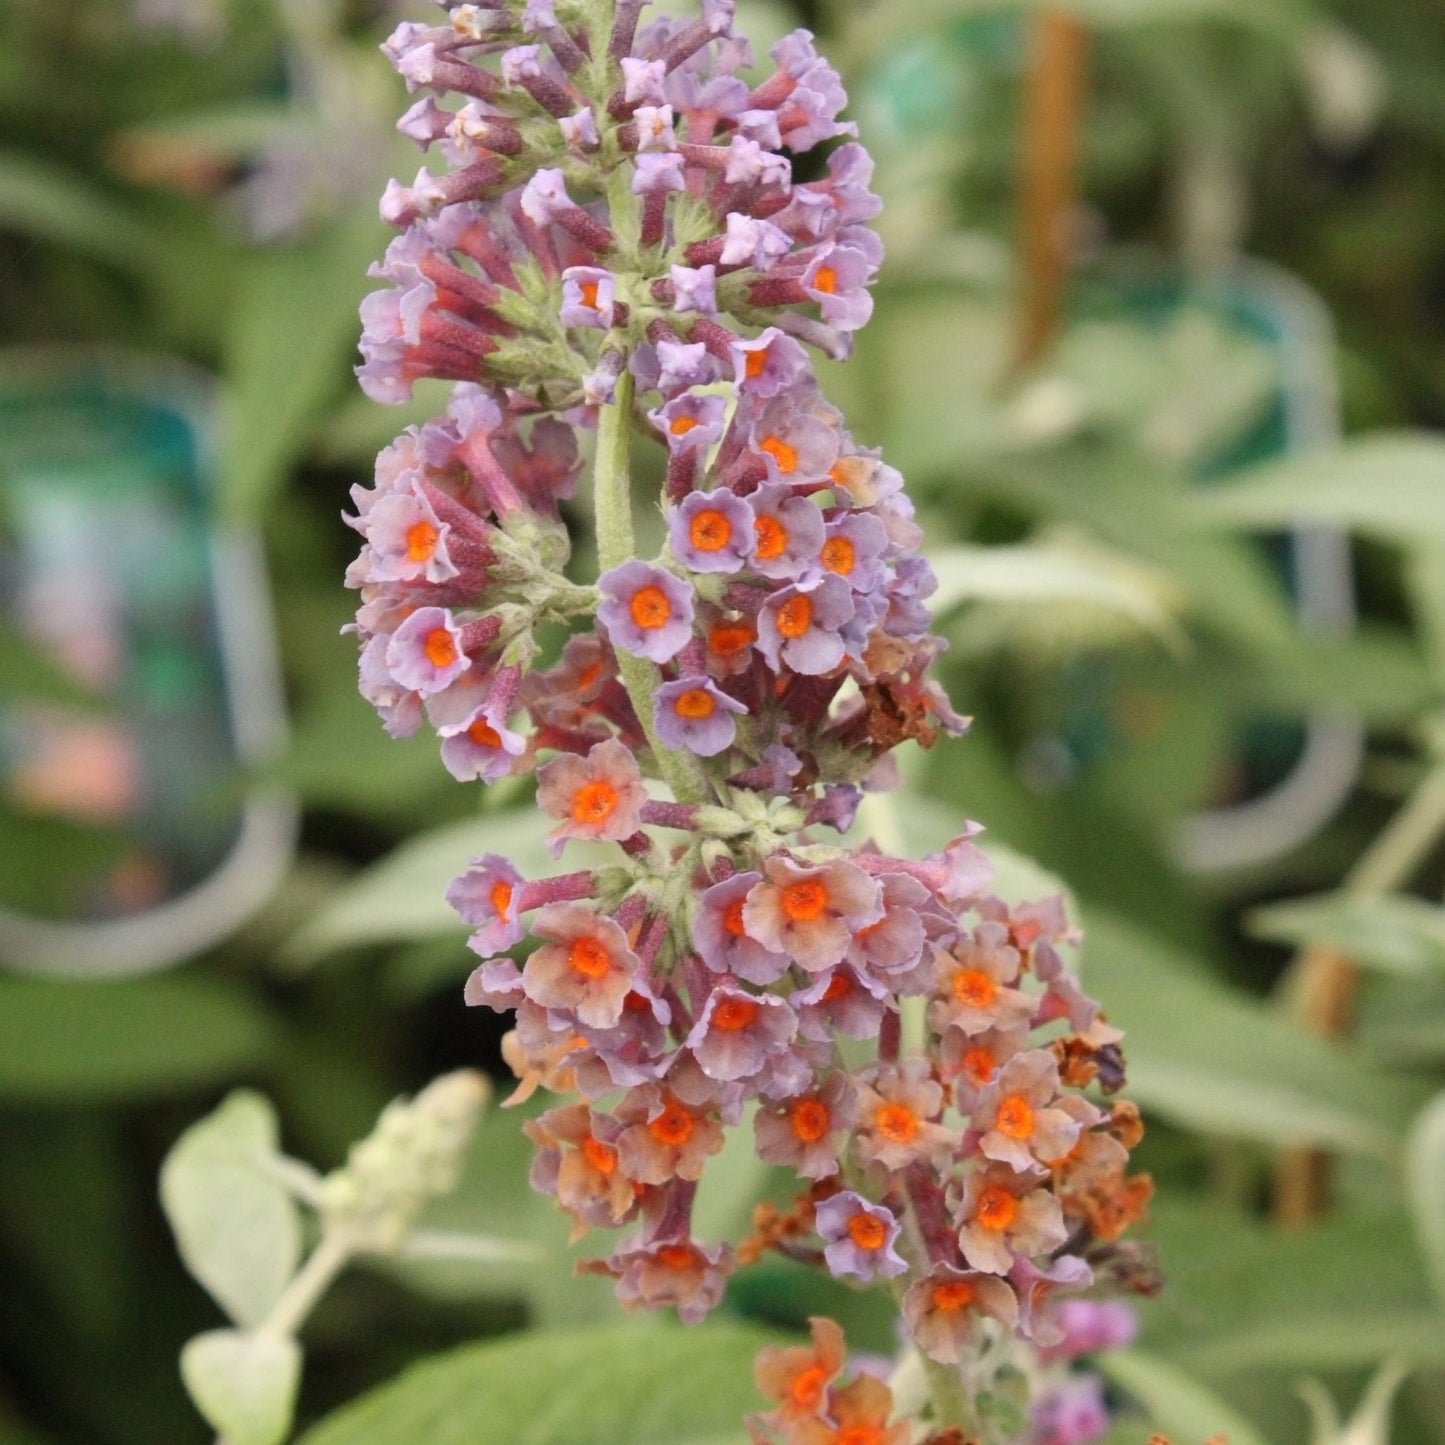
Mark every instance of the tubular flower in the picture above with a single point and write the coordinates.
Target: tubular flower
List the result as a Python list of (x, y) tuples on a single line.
[(608, 237)]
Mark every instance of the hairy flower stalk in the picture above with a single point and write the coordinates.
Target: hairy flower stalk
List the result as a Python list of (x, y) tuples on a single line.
[(616, 245)]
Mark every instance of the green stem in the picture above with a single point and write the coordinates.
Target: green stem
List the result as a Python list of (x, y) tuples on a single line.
[(1401, 847), (612, 491), (310, 1282), (951, 1403)]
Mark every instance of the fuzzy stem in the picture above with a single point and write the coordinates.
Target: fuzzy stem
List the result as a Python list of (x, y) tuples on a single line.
[(612, 489), (310, 1282)]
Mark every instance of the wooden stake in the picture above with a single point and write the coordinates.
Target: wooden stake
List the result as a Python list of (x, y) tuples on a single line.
[(1053, 112)]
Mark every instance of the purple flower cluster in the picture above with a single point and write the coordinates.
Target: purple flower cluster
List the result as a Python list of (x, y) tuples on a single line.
[(617, 241)]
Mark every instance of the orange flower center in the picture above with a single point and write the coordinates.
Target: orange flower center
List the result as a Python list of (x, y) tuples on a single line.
[(440, 647), (484, 735), (674, 1125), (972, 986), (805, 900), (589, 957), (602, 1157), (859, 1435), (785, 456), (795, 616), (421, 541), (696, 704), (825, 279), (501, 897), (952, 1294), (676, 1256), (733, 918), (996, 1207), (867, 1231), (734, 1014), (809, 1120), (728, 638), (709, 531), (681, 425), (588, 676), (589, 294), (839, 986), (1015, 1117), (650, 608), (594, 802), (772, 538), (838, 555), (978, 1064), (756, 361), (897, 1123), (806, 1390)]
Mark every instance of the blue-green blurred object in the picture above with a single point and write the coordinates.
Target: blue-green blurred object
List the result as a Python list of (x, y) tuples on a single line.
[(138, 679), (1287, 777)]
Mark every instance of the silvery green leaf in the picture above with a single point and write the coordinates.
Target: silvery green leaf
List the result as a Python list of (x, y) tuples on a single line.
[(245, 1385), (1425, 1186), (237, 1228)]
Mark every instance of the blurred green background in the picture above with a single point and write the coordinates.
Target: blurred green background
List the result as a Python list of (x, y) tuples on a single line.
[(1109, 509)]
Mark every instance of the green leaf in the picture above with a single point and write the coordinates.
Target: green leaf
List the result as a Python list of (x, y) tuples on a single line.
[(125, 1039), (49, 204), (1425, 1186), (238, 1230), (1059, 578), (1398, 934), (293, 327), (404, 896), (1391, 485), (1177, 1404), (624, 1384), (245, 1385), (1208, 1058), (1244, 1296)]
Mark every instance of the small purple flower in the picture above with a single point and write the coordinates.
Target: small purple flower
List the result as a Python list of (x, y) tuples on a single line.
[(696, 289), (803, 1133), (588, 297), (658, 171), (711, 531), (645, 610), (486, 897), (684, 364), (579, 129), (739, 1032), (485, 748), (859, 1237), (721, 937), (769, 364), (840, 1000), (425, 652), (1073, 1412), (654, 128), (545, 196), (643, 81), (837, 280), (751, 242), (695, 714), (1090, 1325), (690, 422), (800, 627), (788, 533)]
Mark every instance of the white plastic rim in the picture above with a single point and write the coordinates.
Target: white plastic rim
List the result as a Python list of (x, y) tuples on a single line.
[(1247, 834), (266, 836)]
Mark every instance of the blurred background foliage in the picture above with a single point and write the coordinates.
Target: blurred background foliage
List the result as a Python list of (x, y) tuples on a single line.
[(1109, 499)]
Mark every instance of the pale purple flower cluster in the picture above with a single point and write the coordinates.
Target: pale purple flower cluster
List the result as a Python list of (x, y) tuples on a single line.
[(619, 224)]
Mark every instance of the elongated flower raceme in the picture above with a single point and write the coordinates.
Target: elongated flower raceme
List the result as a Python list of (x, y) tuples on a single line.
[(613, 248)]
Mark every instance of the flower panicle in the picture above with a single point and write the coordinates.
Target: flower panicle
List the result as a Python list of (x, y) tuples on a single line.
[(615, 238)]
